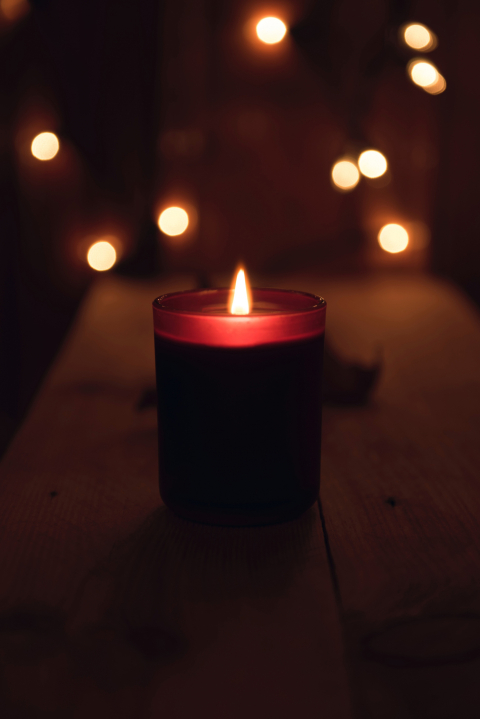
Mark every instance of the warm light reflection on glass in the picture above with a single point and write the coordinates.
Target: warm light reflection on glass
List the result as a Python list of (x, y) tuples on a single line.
[(101, 256), (372, 163), (345, 175), (419, 37), (173, 221), (439, 86), (393, 238), (271, 30), (14, 9), (45, 146), (423, 73), (240, 303)]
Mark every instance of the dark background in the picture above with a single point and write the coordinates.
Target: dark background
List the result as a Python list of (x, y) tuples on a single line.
[(175, 102)]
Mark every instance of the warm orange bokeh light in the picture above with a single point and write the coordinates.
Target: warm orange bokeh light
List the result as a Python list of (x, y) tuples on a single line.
[(173, 221), (14, 9), (438, 87), (101, 256), (45, 146), (423, 73), (240, 302), (372, 163), (345, 174), (393, 238), (271, 30), (419, 37)]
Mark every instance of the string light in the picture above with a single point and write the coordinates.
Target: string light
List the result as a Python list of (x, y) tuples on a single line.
[(419, 37), (101, 256), (438, 87), (271, 30), (345, 175), (393, 238), (372, 163), (45, 146), (422, 73), (173, 221)]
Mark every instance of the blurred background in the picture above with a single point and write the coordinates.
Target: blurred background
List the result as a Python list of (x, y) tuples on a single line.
[(176, 136)]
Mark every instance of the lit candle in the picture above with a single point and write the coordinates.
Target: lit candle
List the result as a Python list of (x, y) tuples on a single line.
[(239, 403)]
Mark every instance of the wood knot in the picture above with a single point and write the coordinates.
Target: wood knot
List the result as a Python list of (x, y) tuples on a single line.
[(391, 501)]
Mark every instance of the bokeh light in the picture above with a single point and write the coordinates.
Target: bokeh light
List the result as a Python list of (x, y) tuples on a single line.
[(101, 256), (173, 221), (419, 37), (393, 238), (271, 30), (372, 163), (345, 174), (45, 146), (423, 73), (14, 9), (438, 87)]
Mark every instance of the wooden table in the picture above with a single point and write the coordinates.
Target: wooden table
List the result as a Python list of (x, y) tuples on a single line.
[(111, 606)]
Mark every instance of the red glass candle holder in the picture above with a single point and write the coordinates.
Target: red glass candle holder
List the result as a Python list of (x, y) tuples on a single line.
[(239, 405)]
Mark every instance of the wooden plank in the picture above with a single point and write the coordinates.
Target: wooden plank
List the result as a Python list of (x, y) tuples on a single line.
[(111, 606), (401, 496)]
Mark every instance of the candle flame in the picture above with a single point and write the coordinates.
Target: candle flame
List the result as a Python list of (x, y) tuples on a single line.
[(240, 303)]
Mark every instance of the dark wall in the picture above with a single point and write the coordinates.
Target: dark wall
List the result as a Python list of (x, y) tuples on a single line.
[(157, 102), (88, 71)]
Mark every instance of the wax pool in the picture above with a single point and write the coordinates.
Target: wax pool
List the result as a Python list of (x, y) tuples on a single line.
[(239, 405)]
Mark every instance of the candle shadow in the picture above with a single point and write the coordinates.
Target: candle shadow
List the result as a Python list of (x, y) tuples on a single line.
[(165, 592), (162, 596), (346, 383)]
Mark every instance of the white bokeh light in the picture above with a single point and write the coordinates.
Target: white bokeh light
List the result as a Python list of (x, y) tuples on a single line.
[(423, 73), (45, 146), (345, 174), (173, 221), (393, 238), (372, 163), (418, 37), (271, 30), (101, 256)]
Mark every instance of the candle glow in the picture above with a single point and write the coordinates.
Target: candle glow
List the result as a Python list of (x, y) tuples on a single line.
[(240, 303), (254, 382)]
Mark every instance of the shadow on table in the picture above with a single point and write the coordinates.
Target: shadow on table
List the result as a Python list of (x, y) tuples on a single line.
[(162, 597), (166, 590)]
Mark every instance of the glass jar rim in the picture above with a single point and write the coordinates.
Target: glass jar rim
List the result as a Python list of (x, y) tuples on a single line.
[(200, 317)]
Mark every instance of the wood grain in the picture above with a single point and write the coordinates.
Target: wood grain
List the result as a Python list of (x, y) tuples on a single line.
[(401, 495), (110, 605)]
